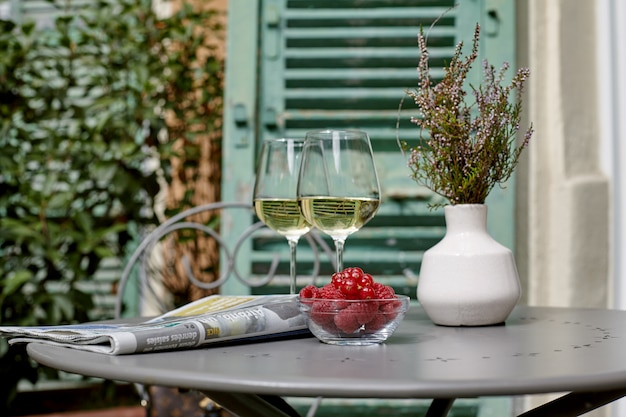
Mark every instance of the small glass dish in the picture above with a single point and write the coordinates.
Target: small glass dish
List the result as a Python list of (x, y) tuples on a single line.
[(353, 322)]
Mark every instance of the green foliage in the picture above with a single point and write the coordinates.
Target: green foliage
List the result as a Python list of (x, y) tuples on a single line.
[(471, 145), (85, 142)]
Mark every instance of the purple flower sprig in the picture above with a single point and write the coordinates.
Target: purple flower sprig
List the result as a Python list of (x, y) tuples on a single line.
[(470, 147)]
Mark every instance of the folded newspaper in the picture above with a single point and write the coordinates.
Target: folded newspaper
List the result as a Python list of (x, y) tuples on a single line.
[(216, 318)]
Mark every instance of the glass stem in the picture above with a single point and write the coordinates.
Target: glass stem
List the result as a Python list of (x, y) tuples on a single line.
[(339, 251), (292, 265)]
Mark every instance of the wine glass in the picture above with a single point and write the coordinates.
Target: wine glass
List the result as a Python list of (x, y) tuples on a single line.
[(275, 200), (338, 189)]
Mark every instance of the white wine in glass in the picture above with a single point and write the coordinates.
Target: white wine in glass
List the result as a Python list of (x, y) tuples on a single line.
[(338, 188), (275, 200)]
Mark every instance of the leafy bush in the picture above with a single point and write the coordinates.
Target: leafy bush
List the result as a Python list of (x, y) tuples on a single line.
[(93, 110)]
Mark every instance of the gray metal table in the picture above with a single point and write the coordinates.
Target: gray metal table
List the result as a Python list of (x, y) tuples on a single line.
[(538, 350)]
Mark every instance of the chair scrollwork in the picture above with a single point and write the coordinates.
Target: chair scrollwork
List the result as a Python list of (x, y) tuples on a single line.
[(229, 254)]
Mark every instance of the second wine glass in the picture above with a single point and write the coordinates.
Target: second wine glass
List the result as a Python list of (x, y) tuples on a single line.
[(338, 188), (275, 201)]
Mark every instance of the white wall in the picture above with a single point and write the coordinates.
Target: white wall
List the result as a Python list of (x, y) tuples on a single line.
[(611, 60), (568, 193)]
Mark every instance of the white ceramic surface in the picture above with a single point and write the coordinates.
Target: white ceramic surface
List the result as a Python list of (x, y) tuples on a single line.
[(468, 278)]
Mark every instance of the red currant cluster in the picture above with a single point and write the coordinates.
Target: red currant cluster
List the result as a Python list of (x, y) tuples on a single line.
[(351, 302), (350, 284), (354, 283)]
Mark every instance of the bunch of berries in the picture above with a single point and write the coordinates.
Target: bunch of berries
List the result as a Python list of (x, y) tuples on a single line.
[(352, 302)]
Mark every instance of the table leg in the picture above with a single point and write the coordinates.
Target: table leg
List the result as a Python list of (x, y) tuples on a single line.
[(251, 405), (440, 407), (575, 404)]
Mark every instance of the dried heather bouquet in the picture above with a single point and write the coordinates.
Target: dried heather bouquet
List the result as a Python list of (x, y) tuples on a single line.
[(471, 147)]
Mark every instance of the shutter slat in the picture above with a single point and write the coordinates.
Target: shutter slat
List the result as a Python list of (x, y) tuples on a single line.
[(361, 16), (293, 75), (373, 37), (294, 4), (409, 53), (330, 94)]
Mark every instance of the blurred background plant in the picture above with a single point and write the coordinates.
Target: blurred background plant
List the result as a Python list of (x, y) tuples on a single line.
[(99, 113)]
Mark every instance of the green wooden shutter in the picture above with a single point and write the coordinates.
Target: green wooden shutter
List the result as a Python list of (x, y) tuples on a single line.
[(346, 64)]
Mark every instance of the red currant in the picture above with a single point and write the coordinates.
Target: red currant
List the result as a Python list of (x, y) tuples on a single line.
[(366, 280), (349, 287), (337, 279), (367, 293), (355, 272)]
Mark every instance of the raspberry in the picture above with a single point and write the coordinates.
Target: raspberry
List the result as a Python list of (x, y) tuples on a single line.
[(330, 292), (363, 312), (322, 312), (331, 328), (378, 322), (355, 315), (390, 308), (310, 291), (383, 291), (347, 323)]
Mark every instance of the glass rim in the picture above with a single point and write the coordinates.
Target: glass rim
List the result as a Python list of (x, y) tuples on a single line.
[(346, 133), (297, 140)]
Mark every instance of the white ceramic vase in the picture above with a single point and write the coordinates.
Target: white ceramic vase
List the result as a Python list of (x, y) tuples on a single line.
[(468, 278)]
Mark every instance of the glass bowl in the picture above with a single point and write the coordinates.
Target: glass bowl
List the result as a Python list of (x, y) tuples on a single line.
[(353, 322)]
